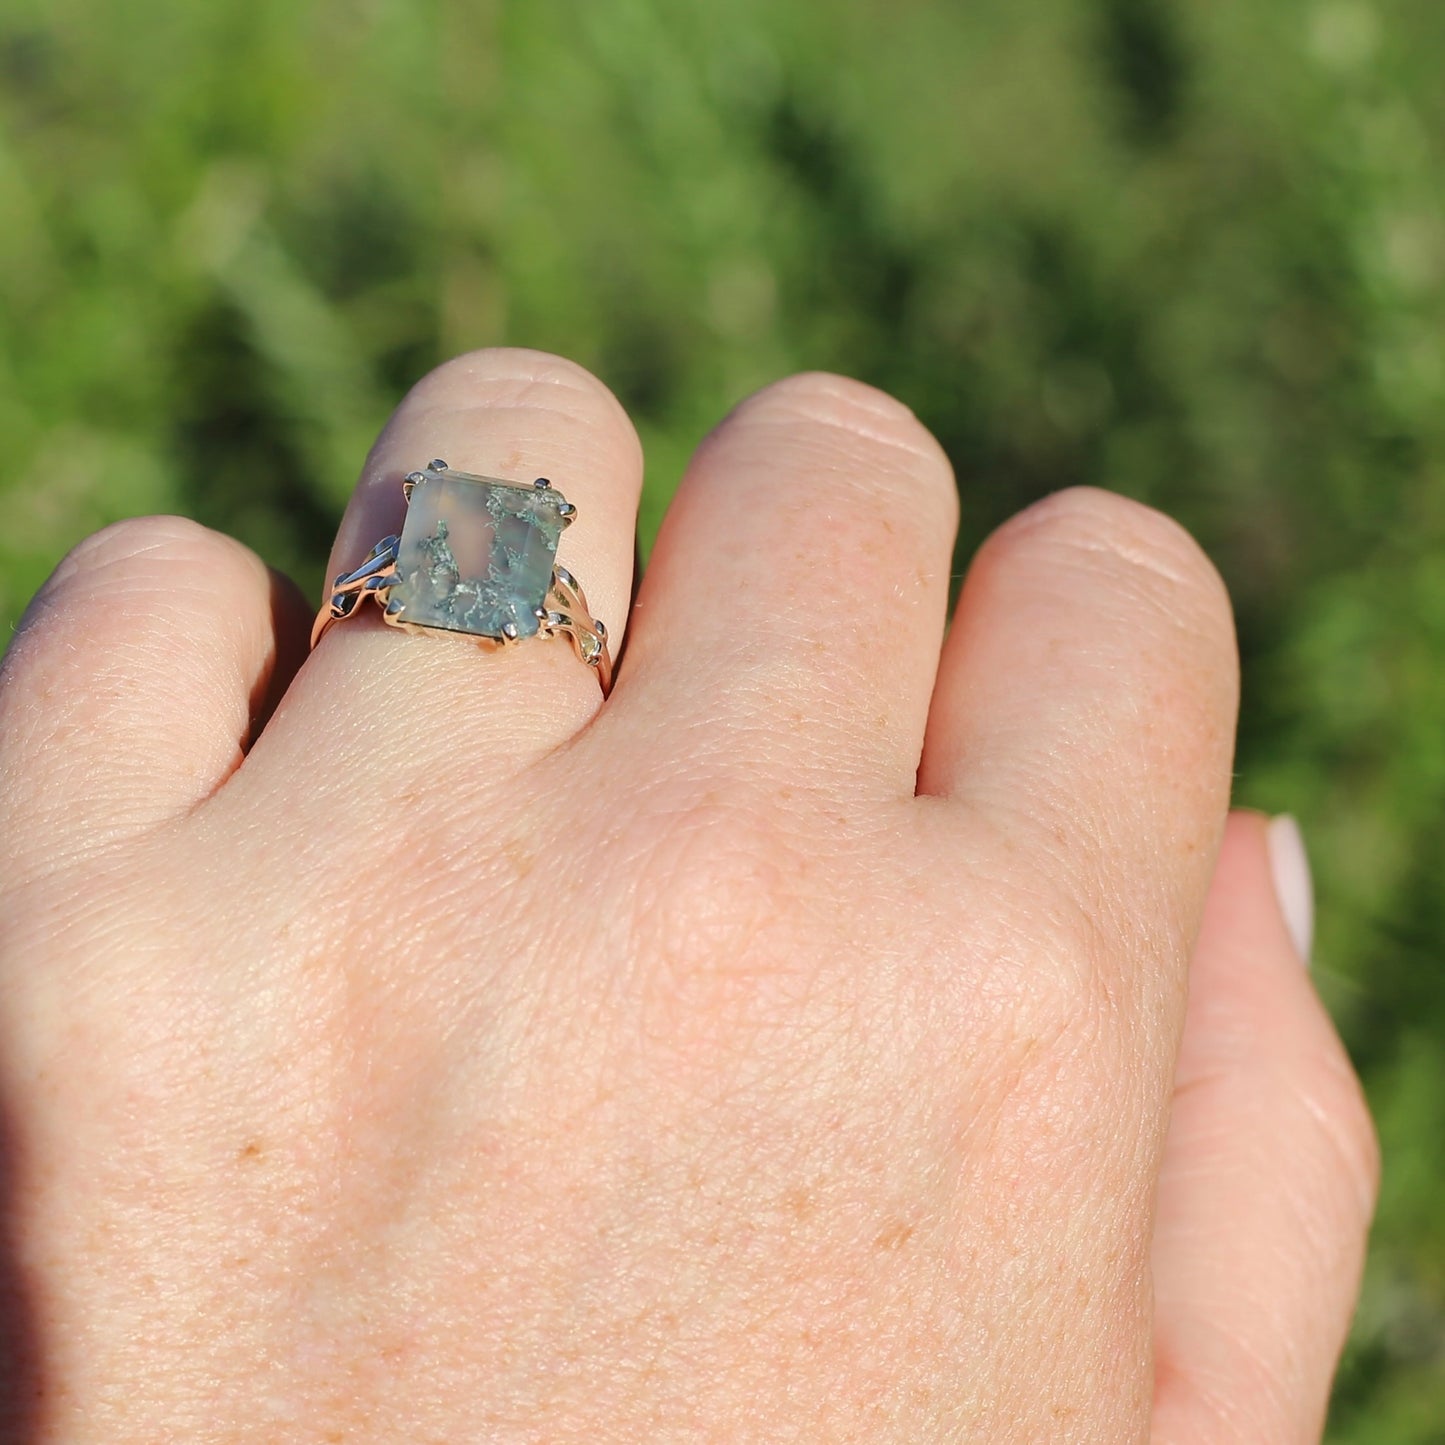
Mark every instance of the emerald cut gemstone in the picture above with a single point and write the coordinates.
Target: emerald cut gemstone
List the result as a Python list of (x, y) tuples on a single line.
[(476, 554)]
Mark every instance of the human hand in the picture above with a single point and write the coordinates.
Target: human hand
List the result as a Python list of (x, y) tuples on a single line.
[(783, 1050)]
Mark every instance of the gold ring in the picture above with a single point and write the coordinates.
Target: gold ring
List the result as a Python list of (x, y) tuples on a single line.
[(476, 555)]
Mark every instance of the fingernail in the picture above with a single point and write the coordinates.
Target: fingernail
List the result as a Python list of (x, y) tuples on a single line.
[(1291, 866)]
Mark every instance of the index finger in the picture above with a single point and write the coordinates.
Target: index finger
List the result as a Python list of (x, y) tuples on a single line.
[(1086, 699)]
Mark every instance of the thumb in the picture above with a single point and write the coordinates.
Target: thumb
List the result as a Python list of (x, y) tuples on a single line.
[(1270, 1169)]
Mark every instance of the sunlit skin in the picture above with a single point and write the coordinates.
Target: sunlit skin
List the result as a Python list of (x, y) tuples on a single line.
[(785, 1049)]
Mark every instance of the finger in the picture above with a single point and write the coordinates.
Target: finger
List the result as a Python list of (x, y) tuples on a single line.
[(792, 609), (1268, 1184), (137, 679), (383, 698), (1086, 702)]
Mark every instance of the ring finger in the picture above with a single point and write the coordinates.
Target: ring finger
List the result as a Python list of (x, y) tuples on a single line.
[(389, 704)]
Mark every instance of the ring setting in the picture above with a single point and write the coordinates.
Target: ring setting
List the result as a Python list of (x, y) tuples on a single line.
[(476, 555)]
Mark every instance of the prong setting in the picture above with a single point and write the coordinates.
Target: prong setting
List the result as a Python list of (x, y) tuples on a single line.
[(563, 610)]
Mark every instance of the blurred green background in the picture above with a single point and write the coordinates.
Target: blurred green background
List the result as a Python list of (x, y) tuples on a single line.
[(1193, 250)]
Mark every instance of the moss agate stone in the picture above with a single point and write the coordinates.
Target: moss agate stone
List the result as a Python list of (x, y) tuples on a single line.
[(476, 554)]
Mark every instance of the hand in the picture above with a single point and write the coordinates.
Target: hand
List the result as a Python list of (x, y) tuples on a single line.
[(783, 1050)]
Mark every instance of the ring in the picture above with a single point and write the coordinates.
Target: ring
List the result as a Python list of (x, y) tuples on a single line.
[(476, 555)]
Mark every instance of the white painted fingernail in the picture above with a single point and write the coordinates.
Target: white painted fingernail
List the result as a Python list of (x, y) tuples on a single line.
[(1291, 866)]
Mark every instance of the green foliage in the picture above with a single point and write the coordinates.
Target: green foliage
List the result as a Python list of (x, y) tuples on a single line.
[(1195, 253)]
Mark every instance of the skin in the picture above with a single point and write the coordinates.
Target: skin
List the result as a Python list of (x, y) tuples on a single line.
[(843, 1033)]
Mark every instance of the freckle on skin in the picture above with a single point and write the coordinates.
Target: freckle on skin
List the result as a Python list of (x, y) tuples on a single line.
[(520, 858), (895, 1236)]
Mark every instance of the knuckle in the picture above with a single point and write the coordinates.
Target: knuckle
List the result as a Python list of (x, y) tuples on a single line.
[(138, 554), (110, 618), (1039, 980), (1151, 653), (836, 400), (1055, 1015), (144, 543), (823, 399), (507, 363), (1094, 530), (1047, 1048), (713, 883), (521, 377), (714, 921), (837, 413)]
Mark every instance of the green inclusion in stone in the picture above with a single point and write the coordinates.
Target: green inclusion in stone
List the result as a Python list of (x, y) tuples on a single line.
[(477, 554)]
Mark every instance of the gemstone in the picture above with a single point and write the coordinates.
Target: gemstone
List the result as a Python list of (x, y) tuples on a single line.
[(476, 554)]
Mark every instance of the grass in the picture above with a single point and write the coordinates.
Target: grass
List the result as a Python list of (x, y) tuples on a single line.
[(1192, 252)]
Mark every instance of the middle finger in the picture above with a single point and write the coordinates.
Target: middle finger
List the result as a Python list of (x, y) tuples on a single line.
[(794, 605)]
